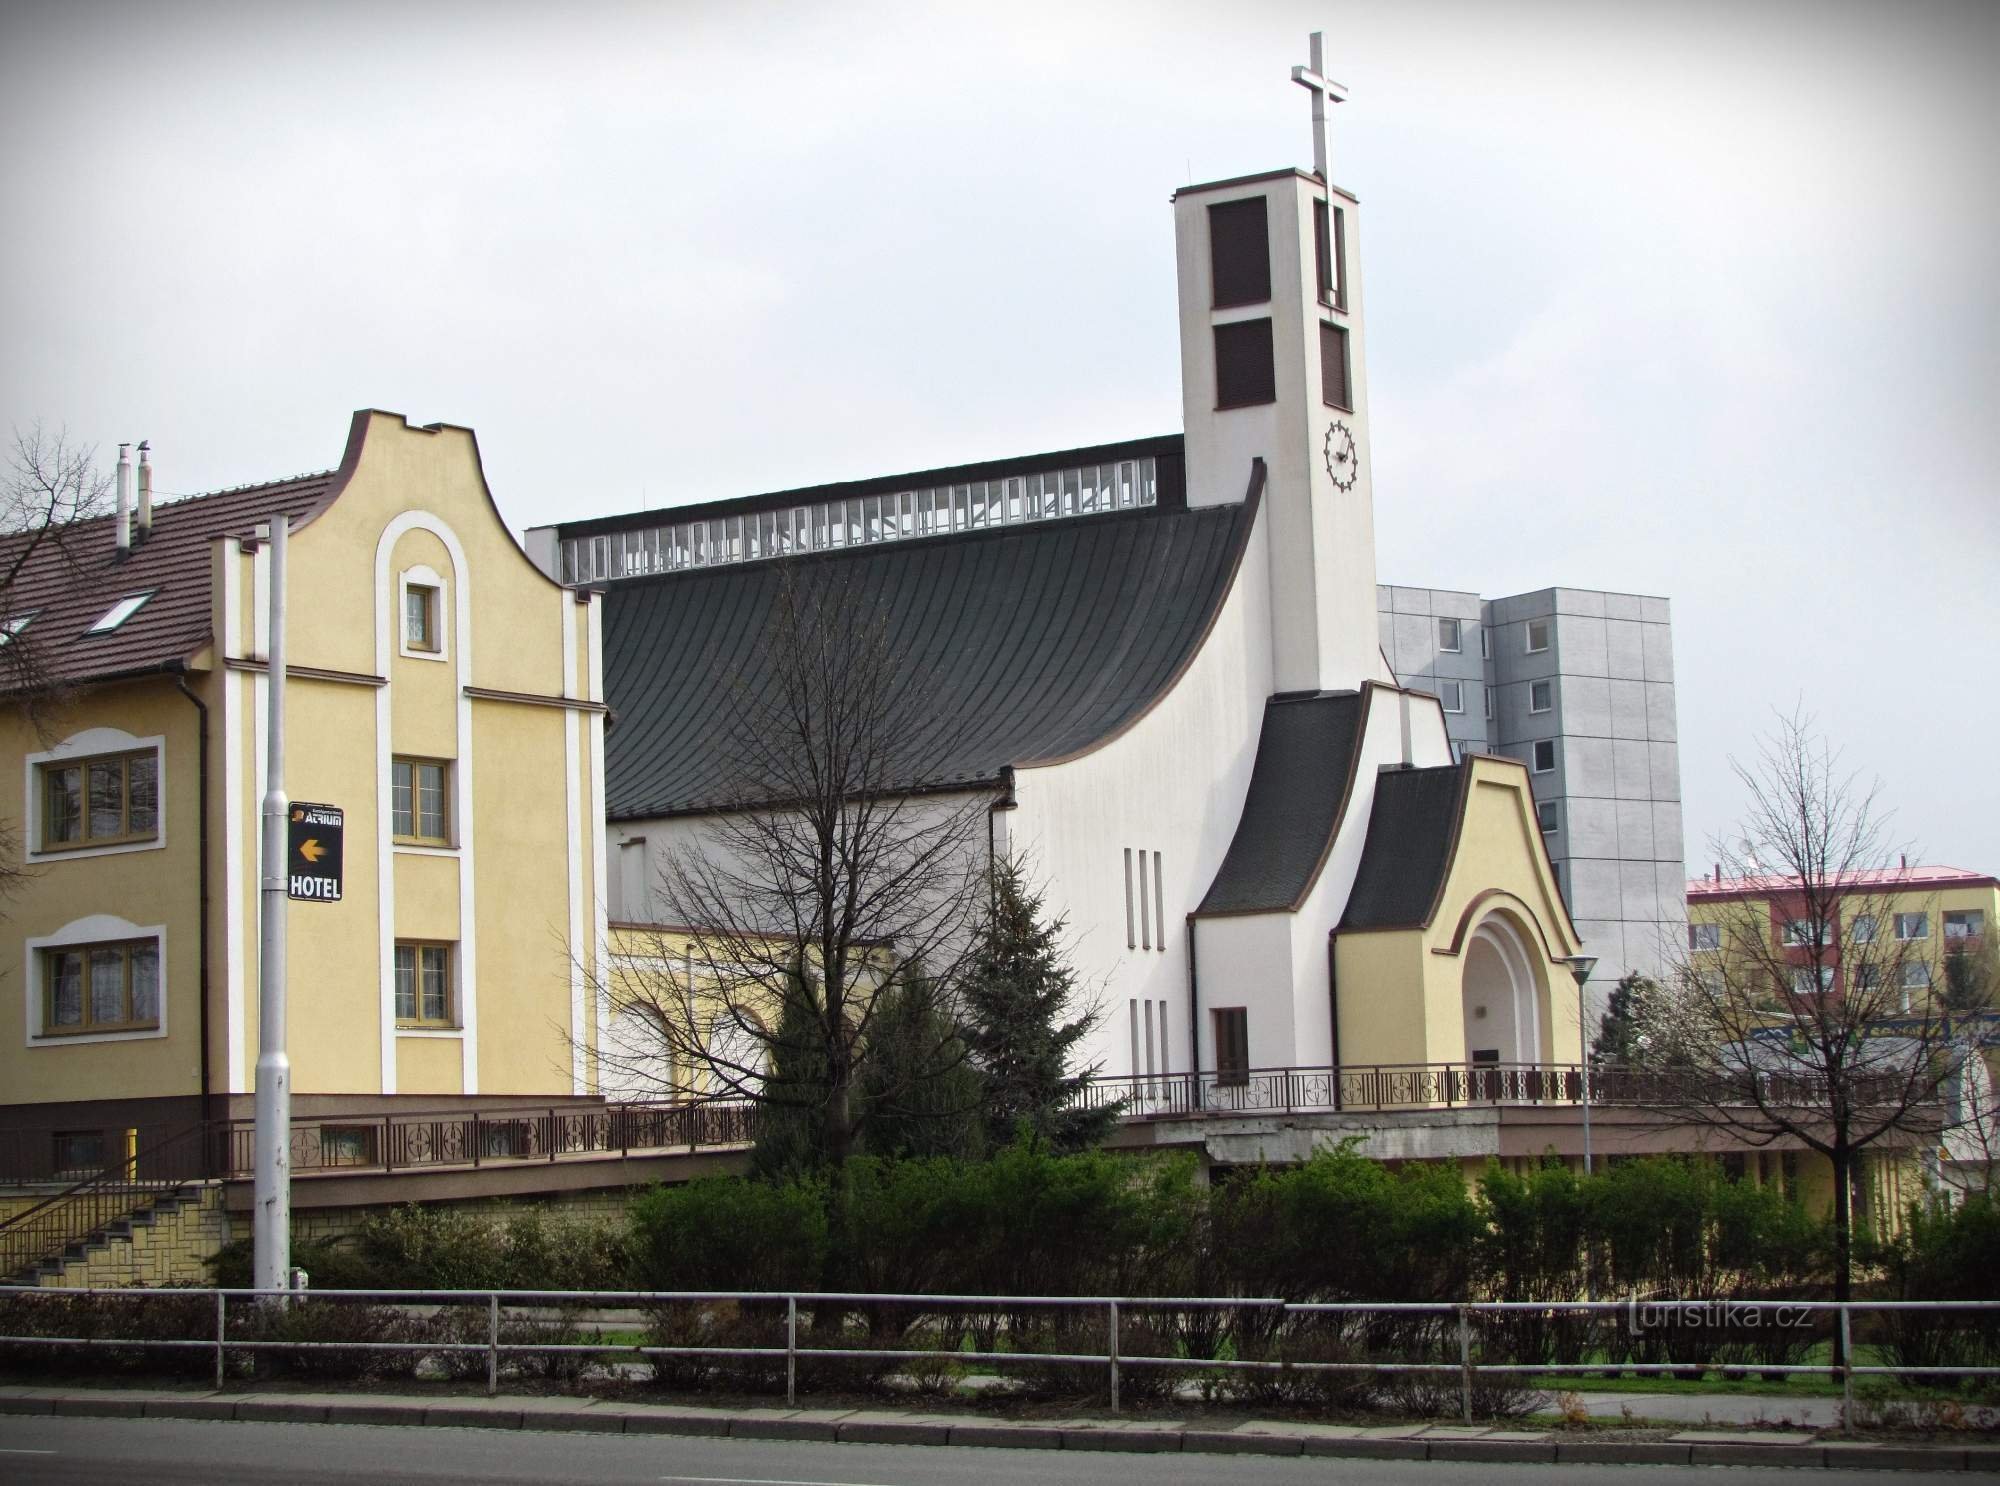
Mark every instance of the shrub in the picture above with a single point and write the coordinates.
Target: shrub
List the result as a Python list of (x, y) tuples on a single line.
[(720, 1233), (327, 1319)]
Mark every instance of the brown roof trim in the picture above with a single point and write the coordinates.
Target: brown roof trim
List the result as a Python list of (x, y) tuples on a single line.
[(1259, 178), (532, 699), (1253, 497), (306, 673), (1475, 909)]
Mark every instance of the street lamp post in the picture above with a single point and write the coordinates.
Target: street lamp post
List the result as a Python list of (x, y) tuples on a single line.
[(1580, 966)]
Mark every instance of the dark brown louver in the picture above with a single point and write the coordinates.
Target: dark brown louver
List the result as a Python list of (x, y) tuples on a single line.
[(1243, 367), (1239, 252), (1334, 380)]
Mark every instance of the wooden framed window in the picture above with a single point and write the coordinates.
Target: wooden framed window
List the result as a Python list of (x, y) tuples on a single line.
[(1245, 374), (1239, 252), (110, 800), (420, 801), (90, 988), (423, 985), (1231, 1026), (420, 618)]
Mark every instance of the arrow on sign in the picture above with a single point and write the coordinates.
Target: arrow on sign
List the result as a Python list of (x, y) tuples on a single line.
[(311, 850)]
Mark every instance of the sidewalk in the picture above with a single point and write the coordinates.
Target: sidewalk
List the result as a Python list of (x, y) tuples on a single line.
[(912, 1427)]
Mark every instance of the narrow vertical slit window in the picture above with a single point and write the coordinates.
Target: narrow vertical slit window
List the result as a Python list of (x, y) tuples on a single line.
[(1166, 1059), (1159, 903), (1131, 939), (1323, 254), (1145, 919), (1151, 1067), (1339, 259), (1132, 1011)]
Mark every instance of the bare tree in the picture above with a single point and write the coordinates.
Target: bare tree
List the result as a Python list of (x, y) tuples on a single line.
[(48, 488), (1808, 1008), (845, 879)]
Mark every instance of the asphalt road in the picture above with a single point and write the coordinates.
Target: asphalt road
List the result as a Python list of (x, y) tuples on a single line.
[(36, 1449)]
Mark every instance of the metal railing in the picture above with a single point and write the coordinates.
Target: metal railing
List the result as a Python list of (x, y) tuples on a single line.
[(1384, 1087), (439, 1138), (1465, 1340), (114, 1194)]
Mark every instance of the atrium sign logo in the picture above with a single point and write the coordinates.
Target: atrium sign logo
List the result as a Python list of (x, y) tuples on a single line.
[(313, 855)]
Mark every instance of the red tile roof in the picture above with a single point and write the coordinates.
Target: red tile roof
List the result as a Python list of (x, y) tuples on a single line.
[(1891, 879), (68, 587)]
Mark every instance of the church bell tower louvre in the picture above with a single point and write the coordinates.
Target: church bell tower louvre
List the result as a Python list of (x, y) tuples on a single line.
[(1272, 367)]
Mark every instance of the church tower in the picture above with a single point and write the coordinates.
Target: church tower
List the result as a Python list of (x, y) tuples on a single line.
[(1272, 368)]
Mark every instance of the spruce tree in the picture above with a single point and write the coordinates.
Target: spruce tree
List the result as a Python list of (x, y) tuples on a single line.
[(1618, 1043), (788, 1127), (921, 1094), (1019, 990)]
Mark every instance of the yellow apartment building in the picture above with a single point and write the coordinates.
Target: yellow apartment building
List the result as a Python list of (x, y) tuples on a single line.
[(443, 693)]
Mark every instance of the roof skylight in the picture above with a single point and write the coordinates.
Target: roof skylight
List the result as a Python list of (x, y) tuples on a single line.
[(13, 626), (121, 611)]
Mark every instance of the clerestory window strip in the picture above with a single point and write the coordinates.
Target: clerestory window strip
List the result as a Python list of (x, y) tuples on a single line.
[(862, 520)]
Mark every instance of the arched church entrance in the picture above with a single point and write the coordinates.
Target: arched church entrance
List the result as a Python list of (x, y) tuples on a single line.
[(1506, 1008)]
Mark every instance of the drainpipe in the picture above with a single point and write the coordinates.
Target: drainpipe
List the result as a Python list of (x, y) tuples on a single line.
[(1006, 801), (201, 708), (1333, 1008), (1194, 1021)]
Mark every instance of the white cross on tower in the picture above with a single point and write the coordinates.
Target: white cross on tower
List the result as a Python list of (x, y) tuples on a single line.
[(1324, 90)]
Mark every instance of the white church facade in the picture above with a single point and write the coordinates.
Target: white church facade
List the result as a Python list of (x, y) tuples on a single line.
[(1164, 662)]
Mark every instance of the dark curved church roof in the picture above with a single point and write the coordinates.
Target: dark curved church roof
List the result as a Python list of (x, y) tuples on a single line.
[(1408, 851), (1305, 760), (1032, 644)]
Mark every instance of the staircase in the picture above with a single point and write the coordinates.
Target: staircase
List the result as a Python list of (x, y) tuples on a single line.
[(146, 1218), (166, 1240)]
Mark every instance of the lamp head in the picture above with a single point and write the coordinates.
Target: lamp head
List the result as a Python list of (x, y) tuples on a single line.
[(1580, 966)]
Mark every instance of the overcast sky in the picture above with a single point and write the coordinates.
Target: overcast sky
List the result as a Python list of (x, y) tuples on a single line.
[(1699, 300)]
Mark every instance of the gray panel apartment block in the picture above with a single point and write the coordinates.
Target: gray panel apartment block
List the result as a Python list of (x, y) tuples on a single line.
[(1609, 712)]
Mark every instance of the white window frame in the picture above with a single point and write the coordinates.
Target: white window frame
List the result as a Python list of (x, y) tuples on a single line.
[(422, 577), (90, 743), (96, 928), (1451, 694), (1535, 764), (1528, 636), (1705, 939), (1971, 925), (1457, 644), (1922, 925), (1549, 705), (113, 619), (1797, 933), (1801, 974), (1862, 928), (1914, 975)]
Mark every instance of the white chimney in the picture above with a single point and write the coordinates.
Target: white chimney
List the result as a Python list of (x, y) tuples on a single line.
[(145, 491), (124, 500)]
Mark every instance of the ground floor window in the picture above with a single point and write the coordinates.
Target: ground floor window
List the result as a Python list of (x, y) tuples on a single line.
[(1232, 1044)]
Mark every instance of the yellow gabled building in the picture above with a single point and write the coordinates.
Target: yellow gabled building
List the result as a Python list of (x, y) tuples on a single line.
[(443, 693)]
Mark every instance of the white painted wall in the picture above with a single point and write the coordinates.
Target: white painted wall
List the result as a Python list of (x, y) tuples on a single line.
[(1173, 783), (1322, 539)]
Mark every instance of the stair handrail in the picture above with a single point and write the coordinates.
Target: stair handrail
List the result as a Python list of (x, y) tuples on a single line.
[(118, 1182)]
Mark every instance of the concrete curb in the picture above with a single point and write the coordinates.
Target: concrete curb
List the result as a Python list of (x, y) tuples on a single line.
[(833, 1427)]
